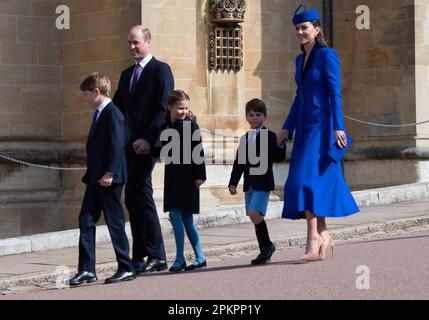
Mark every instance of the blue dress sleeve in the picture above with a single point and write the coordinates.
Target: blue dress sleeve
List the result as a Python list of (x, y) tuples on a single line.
[(290, 122), (333, 81)]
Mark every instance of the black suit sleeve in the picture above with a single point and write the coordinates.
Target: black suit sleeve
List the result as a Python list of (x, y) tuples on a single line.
[(117, 98), (238, 168), (116, 138), (164, 88)]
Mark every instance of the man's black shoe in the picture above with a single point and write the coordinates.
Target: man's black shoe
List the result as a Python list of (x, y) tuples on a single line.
[(82, 277), (265, 255), (139, 266), (121, 276), (156, 265)]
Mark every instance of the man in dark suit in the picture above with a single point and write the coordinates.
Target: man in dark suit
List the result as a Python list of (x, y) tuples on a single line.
[(104, 179), (142, 97)]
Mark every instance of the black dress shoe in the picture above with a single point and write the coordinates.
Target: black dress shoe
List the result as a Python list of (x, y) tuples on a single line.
[(156, 265), (179, 268), (196, 265), (139, 266), (82, 277), (264, 256), (121, 276)]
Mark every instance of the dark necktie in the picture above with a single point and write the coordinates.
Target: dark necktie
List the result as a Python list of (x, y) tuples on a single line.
[(135, 79), (94, 121)]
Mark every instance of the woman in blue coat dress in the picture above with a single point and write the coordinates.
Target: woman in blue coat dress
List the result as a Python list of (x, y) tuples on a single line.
[(315, 187)]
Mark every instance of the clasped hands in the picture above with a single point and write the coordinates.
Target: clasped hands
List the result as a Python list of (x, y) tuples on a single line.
[(141, 147)]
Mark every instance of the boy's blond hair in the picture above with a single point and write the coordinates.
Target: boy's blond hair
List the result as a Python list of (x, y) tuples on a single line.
[(98, 81)]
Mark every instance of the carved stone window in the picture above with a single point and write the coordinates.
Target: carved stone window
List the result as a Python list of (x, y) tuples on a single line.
[(226, 35)]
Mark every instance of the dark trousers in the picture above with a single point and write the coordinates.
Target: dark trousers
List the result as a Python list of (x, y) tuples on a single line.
[(144, 221), (108, 200)]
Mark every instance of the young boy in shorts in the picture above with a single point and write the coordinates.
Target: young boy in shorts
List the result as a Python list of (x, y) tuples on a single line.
[(256, 153)]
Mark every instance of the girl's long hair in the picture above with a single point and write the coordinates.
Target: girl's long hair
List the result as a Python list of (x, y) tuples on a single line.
[(174, 98)]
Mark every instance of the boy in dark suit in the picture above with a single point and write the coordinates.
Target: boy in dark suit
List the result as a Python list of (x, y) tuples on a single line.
[(104, 179), (256, 153)]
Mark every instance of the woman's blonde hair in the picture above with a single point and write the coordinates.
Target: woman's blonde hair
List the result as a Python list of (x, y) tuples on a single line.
[(321, 36)]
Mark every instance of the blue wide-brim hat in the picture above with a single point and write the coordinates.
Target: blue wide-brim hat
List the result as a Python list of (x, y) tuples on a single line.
[(306, 15)]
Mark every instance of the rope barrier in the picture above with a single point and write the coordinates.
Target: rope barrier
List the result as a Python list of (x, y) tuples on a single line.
[(386, 125), (29, 164), (369, 123)]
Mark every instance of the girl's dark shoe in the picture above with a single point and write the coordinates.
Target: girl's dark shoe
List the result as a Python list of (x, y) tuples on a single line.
[(181, 267), (196, 265)]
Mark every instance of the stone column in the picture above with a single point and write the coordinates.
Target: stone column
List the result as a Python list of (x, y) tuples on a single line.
[(421, 13)]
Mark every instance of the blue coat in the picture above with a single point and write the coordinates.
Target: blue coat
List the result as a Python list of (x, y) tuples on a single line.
[(315, 182)]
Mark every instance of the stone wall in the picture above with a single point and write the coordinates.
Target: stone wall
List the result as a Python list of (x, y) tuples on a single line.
[(43, 118), (30, 70), (96, 41), (384, 80), (378, 69), (30, 112)]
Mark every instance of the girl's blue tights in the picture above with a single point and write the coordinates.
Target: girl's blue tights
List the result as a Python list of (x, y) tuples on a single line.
[(181, 222)]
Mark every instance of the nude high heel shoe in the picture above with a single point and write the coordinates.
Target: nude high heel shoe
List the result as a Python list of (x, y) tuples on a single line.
[(313, 256), (325, 247)]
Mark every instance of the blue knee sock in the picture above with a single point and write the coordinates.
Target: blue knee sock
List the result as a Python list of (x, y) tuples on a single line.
[(179, 236), (194, 238)]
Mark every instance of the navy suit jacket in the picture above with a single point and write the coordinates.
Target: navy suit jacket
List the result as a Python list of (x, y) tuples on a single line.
[(144, 111), (105, 147), (264, 182)]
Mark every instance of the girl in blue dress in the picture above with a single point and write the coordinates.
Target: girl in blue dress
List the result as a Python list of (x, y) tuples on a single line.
[(315, 187)]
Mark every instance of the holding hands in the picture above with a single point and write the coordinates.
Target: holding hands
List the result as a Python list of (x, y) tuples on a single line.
[(282, 136)]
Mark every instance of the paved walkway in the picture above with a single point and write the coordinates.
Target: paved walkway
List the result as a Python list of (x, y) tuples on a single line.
[(380, 267), (39, 267)]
